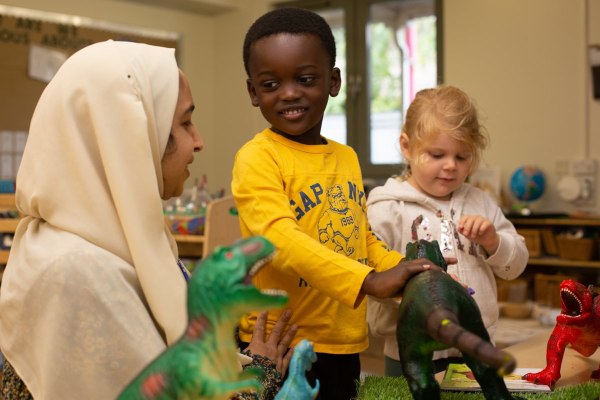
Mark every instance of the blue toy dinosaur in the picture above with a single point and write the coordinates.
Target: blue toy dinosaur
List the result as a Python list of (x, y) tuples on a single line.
[(296, 387), (437, 313), (203, 363)]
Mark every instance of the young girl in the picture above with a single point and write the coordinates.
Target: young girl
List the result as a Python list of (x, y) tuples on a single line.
[(442, 142)]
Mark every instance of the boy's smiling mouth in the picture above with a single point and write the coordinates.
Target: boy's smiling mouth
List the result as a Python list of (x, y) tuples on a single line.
[(293, 112)]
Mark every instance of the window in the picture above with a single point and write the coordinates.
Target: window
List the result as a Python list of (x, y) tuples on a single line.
[(390, 53)]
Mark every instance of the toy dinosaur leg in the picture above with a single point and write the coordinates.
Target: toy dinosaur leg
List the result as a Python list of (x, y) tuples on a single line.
[(596, 374), (554, 356), (418, 370), (492, 384)]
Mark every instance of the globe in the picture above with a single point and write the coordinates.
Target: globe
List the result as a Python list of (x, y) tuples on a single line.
[(527, 183)]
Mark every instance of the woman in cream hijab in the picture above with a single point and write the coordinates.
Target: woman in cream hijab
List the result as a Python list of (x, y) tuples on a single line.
[(92, 291)]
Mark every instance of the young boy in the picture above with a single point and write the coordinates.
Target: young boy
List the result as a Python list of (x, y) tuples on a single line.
[(305, 193)]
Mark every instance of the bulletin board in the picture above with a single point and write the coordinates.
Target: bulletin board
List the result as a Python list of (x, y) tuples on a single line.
[(23, 29)]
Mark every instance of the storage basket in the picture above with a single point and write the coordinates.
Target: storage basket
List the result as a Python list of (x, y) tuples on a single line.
[(533, 241), (546, 289), (513, 291), (549, 242), (575, 249)]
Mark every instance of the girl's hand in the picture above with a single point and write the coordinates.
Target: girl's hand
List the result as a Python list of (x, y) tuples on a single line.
[(479, 230), (277, 346)]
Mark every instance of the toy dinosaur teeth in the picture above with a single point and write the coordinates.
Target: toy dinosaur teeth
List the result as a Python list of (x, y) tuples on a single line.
[(572, 305), (273, 292), (259, 264)]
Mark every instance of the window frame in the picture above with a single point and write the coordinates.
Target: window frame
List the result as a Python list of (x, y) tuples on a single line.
[(356, 14)]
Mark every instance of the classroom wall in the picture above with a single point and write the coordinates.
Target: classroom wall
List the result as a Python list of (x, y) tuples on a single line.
[(211, 48), (524, 62)]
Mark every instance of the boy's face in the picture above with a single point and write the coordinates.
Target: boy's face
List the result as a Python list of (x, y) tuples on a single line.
[(291, 81)]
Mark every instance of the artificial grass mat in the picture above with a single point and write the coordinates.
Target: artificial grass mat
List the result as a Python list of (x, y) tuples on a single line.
[(384, 388)]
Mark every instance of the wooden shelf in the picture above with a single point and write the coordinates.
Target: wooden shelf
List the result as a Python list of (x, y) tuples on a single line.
[(550, 226), (3, 257), (8, 224), (190, 246), (556, 221), (559, 262), (7, 200), (189, 238)]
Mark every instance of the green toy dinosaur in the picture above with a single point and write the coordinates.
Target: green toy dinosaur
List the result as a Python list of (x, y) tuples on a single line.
[(203, 363), (437, 313), (296, 387)]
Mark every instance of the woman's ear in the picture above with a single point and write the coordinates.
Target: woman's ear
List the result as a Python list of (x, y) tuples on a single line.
[(405, 146), (252, 92)]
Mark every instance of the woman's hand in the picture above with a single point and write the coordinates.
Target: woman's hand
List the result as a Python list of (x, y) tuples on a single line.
[(277, 346)]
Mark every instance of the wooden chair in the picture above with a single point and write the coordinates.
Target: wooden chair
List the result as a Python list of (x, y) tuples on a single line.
[(222, 226)]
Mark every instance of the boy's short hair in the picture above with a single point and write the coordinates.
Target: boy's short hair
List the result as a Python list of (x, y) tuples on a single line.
[(291, 20)]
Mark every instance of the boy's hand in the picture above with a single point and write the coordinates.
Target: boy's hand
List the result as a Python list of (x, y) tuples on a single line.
[(479, 230), (390, 283)]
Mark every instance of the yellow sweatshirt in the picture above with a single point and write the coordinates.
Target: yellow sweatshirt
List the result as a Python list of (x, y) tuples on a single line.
[(310, 202)]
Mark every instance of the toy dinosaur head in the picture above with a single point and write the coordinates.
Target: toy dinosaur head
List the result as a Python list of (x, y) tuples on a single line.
[(221, 285), (429, 250), (306, 354), (576, 302)]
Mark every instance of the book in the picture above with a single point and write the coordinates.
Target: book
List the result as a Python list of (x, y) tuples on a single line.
[(458, 377)]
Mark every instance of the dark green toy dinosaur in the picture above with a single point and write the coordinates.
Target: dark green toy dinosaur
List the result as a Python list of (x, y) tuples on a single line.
[(437, 313), (203, 363)]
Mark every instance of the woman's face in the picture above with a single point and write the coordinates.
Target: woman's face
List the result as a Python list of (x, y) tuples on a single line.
[(184, 140)]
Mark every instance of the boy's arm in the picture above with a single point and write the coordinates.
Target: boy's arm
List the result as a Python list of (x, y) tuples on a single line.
[(391, 282), (381, 256), (264, 209), (385, 229)]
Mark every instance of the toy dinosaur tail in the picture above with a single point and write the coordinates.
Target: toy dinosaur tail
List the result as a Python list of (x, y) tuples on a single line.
[(442, 326)]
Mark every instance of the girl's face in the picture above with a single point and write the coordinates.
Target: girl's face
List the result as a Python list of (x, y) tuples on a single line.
[(291, 81), (439, 166), (184, 141)]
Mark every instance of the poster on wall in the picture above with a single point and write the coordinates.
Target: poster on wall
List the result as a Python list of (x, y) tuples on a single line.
[(34, 44)]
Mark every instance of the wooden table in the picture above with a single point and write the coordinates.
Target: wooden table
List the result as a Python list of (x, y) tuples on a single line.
[(575, 368), (531, 353)]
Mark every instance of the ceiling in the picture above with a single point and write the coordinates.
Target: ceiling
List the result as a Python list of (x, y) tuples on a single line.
[(205, 7)]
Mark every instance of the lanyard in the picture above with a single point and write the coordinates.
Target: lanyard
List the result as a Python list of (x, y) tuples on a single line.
[(184, 270)]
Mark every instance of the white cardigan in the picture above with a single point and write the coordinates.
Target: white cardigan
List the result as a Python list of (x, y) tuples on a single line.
[(399, 214)]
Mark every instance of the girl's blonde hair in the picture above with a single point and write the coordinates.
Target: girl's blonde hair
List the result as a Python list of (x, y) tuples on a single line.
[(445, 109)]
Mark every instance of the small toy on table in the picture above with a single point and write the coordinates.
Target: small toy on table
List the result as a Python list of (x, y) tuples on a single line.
[(578, 325), (296, 386), (437, 313)]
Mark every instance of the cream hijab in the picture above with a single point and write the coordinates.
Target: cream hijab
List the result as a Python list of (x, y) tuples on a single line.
[(89, 188)]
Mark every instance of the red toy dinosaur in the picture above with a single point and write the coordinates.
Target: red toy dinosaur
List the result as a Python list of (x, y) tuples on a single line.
[(578, 324)]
